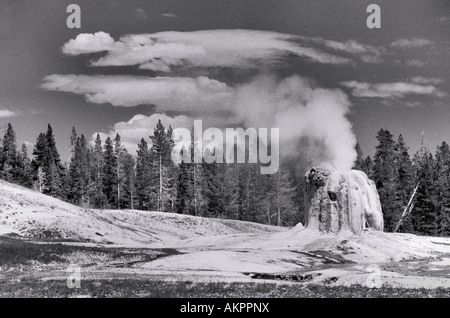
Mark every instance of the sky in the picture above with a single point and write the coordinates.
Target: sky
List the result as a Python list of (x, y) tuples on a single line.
[(312, 68)]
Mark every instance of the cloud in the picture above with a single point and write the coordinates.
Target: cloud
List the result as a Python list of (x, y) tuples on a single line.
[(28, 144), (391, 90), (86, 43), (301, 111), (141, 126), (414, 62), (367, 53), (207, 48), (294, 105), (36, 111), (410, 43), (141, 14), (169, 15), (167, 93), (444, 19), (426, 80), (5, 113)]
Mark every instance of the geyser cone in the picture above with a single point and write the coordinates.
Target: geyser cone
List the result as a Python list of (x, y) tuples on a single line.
[(342, 201)]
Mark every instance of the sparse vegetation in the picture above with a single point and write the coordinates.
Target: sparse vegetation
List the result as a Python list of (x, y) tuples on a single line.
[(132, 286), (16, 252), (31, 269)]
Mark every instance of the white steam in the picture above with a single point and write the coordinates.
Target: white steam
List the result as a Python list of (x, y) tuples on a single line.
[(301, 111), (312, 120)]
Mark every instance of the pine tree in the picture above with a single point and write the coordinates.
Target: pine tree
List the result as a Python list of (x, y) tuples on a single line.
[(119, 153), (172, 173), (441, 215), (96, 194), (422, 217), (109, 174), (384, 174), (196, 169), (255, 198), (248, 202), (8, 158), (46, 156), (405, 182), (212, 188), (285, 207), (79, 173), (25, 176), (184, 183), (368, 167), (359, 161), (242, 194), (363, 164), (298, 183), (142, 181), (39, 152), (228, 190), (73, 141), (128, 181), (163, 171), (53, 169)]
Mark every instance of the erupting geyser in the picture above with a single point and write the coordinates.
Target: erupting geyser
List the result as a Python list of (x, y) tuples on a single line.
[(342, 201)]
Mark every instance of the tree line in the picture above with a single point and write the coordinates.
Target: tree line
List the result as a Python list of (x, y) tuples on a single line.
[(396, 175), (106, 176)]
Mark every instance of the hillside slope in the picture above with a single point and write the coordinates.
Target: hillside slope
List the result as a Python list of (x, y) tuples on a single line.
[(218, 250), (32, 214)]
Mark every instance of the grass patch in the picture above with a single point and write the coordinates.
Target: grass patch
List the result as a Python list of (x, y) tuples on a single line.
[(18, 259), (129, 287), (17, 252)]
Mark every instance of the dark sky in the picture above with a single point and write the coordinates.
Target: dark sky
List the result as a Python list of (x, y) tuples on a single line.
[(404, 87)]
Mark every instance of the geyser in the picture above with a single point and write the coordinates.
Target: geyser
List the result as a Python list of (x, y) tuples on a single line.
[(342, 201)]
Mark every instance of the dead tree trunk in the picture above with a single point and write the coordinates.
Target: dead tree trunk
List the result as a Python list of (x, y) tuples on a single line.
[(407, 210)]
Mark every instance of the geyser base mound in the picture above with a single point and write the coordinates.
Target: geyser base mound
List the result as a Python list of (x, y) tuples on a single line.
[(342, 201)]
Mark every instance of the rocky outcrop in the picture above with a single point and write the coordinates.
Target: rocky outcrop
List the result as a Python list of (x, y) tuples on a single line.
[(342, 201)]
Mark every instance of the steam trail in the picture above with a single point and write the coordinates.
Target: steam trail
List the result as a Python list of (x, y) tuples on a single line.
[(301, 112)]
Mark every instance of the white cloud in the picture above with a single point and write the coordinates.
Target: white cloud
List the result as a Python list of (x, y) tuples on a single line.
[(426, 80), (36, 111), (207, 48), (5, 113), (294, 105), (387, 90), (367, 53), (29, 145), (444, 19), (86, 43), (350, 46), (415, 63), (301, 110), (141, 126), (168, 93), (169, 15), (410, 43), (141, 14)]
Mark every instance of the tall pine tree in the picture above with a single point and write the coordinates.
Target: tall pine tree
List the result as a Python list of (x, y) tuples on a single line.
[(96, 193), (385, 176), (8, 159), (163, 172), (109, 174), (47, 165), (142, 181)]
